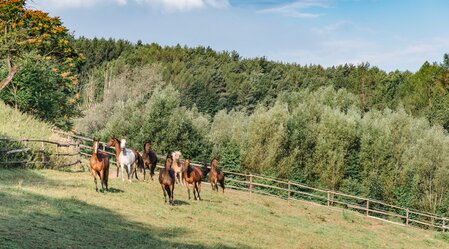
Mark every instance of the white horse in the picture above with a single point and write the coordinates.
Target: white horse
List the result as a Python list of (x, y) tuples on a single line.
[(177, 167), (126, 159)]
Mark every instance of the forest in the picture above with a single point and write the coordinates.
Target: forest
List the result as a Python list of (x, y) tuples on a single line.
[(352, 128)]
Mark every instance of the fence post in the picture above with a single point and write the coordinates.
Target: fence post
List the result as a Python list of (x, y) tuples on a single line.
[(250, 183), (78, 150), (328, 198), (104, 147), (288, 198), (367, 207), (444, 225), (406, 216)]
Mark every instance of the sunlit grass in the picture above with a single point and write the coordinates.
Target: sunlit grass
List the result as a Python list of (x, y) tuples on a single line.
[(61, 209)]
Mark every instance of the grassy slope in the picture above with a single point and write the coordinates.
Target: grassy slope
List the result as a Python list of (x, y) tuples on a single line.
[(15, 124), (61, 209)]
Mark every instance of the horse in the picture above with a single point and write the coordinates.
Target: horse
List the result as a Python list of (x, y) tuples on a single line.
[(216, 176), (114, 142), (167, 180), (149, 158), (99, 164), (177, 167), (192, 176)]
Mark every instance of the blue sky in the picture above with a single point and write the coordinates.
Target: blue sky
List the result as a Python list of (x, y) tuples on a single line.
[(390, 34)]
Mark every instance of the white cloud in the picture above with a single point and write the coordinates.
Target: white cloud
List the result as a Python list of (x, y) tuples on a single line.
[(184, 5), (65, 4), (298, 9), (166, 5)]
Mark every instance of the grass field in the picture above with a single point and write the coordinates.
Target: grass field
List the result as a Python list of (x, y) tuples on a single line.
[(55, 209)]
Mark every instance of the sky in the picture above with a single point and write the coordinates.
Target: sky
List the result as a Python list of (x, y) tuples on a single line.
[(389, 34)]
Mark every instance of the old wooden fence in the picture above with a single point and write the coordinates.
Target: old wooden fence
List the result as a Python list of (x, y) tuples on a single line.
[(44, 152), (290, 191)]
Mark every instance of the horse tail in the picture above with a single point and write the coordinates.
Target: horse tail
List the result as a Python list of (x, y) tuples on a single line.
[(153, 165), (140, 161), (205, 169), (222, 183)]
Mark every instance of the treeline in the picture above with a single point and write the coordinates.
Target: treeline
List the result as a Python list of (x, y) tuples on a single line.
[(215, 81)]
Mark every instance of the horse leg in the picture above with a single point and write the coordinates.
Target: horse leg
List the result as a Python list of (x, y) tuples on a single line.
[(216, 185), (106, 177), (135, 170), (194, 187), (188, 191), (102, 180), (198, 187), (165, 194), (95, 180), (118, 166), (172, 191), (144, 172), (128, 172), (123, 172)]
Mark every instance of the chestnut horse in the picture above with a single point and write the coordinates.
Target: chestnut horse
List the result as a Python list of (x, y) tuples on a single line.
[(177, 167), (149, 158), (115, 143), (216, 176), (167, 180), (192, 176), (99, 164)]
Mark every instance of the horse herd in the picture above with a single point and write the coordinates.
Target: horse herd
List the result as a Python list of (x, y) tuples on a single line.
[(173, 172)]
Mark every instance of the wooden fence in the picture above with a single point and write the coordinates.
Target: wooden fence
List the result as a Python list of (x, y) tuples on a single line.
[(290, 191), (61, 155)]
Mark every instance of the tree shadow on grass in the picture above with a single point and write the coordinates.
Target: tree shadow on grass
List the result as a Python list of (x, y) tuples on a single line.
[(29, 220)]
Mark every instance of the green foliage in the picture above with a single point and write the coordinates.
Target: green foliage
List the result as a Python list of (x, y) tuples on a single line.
[(230, 157), (41, 90)]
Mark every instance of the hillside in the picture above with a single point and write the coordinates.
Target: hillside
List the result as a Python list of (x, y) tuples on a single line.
[(62, 209)]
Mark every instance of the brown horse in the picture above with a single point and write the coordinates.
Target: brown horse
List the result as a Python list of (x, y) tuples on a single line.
[(149, 158), (167, 180), (192, 176), (216, 176), (99, 164), (114, 142)]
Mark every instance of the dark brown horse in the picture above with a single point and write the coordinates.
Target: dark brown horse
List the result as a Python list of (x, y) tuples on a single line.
[(192, 176), (115, 143), (167, 180), (99, 164), (216, 176), (149, 158)]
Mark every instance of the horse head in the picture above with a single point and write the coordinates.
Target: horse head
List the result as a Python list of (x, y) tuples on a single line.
[(147, 147), (186, 163), (112, 142), (176, 155), (214, 163), (122, 144), (95, 145), (168, 161)]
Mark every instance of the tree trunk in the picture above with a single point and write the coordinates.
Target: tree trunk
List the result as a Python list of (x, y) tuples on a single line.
[(12, 70)]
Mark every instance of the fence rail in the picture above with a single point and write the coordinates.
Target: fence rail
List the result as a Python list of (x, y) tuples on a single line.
[(290, 190)]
